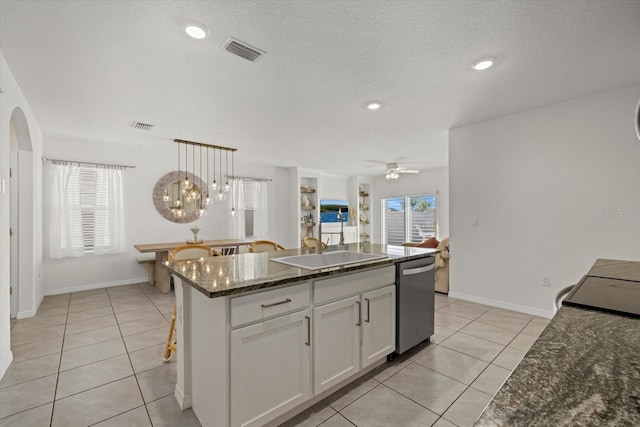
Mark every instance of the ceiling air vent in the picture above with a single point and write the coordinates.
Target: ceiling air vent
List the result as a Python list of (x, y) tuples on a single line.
[(243, 50), (142, 126)]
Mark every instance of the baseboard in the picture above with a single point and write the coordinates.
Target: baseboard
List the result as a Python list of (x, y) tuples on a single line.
[(502, 304), (7, 362), (95, 286), (25, 314), (183, 401)]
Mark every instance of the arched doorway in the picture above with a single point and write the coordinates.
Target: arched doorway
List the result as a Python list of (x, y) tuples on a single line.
[(21, 217)]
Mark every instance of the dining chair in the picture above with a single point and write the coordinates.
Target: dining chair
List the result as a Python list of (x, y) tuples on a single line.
[(312, 242), (183, 252), (265, 246)]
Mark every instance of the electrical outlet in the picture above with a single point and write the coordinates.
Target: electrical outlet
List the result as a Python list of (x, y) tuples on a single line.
[(546, 281)]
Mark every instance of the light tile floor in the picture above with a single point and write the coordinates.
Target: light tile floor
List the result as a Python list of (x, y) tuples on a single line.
[(95, 358)]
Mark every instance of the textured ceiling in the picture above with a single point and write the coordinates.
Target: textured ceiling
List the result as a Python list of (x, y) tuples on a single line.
[(92, 68)]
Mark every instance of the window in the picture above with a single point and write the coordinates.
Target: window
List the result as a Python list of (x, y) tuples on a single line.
[(408, 219), (250, 201), (249, 207), (86, 210)]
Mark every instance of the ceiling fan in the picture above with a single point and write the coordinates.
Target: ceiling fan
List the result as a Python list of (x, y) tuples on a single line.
[(393, 171)]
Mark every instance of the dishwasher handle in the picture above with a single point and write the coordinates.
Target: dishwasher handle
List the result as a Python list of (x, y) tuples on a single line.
[(411, 271)]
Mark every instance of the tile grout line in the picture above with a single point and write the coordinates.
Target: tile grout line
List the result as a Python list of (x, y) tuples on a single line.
[(135, 375), (55, 390)]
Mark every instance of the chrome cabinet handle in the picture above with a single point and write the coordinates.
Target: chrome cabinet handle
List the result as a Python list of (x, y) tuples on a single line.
[(276, 303), (368, 319), (359, 323), (308, 342)]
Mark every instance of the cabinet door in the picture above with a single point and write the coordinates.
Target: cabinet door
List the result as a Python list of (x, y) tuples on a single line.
[(378, 324), (270, 368), (336, 342)]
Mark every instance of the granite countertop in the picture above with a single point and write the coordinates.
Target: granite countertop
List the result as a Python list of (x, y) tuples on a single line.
[(229, 275), (584, 369)]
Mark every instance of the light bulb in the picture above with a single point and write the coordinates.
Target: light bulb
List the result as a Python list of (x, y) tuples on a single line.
[(207, 200), (203, 211), (226, 187), (178, 202), (186, 183), (166, 197), (214, 184), (194, 194), (221, 196), (232, 213)]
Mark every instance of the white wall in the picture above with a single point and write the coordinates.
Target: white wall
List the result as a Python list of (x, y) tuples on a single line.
[(334, 187), (11, 99), (430, 181), (553, 189), (153, 157)]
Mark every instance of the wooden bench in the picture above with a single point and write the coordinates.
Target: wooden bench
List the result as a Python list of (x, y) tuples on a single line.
[(151, 264)]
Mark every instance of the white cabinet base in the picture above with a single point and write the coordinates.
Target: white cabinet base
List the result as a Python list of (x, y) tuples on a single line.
[(272, 356)]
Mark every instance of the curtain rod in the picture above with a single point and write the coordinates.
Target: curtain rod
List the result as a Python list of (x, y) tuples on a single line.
[(248, 178), (87, 163)]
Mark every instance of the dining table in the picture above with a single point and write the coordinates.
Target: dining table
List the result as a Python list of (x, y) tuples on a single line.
[(161, 250)]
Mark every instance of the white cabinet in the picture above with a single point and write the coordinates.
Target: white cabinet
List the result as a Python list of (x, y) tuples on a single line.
[(285, 347), (354, 331), (336, 342), (378, 324), (270, 368)]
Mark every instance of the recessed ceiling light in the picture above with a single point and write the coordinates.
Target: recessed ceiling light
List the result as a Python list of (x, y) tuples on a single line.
[(483, 64), (374, 105), (197, 31)]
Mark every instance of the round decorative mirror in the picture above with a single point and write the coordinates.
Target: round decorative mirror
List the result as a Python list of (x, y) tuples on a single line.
[(175, 204)]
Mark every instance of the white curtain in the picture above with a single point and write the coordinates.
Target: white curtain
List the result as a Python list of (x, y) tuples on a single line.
[(108, 230), (65, 229), (86, 210), (237, 222), (260, 216)]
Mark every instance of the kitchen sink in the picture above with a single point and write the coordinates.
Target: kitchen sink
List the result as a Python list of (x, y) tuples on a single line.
[(327, 259)]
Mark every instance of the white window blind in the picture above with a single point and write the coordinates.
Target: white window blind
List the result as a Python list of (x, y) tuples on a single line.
[(408, 219), (249, 207), (86, 210)]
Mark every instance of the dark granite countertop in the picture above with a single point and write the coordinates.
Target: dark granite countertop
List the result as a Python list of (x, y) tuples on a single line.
[(584, 369), (235, 274)]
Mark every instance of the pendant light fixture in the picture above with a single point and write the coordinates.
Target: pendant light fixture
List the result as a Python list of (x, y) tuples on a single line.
[(221, 196), (233, 174), (186, 183), (188, 192), (207, 200), (214, 184)]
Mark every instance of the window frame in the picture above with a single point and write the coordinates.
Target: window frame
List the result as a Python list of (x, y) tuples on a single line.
[(408, 221)]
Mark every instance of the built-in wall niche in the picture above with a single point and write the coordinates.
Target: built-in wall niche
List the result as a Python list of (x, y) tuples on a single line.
[(308, 206), (174, 204)]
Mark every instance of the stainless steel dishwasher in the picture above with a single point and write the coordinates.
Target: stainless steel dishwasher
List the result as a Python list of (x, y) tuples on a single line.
[(415, 294)]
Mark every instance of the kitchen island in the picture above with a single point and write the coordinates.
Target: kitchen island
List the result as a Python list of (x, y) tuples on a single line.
[(584, 369), (259, 340)]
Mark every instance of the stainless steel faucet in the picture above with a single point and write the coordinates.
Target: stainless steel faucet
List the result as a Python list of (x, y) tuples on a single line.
[(341, 218)]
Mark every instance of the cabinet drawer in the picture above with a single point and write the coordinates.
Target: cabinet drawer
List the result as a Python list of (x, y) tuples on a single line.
[(351, 284), (266, 304)]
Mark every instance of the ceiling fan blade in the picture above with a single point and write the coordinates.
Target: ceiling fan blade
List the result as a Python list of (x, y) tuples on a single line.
[(408, 171)]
